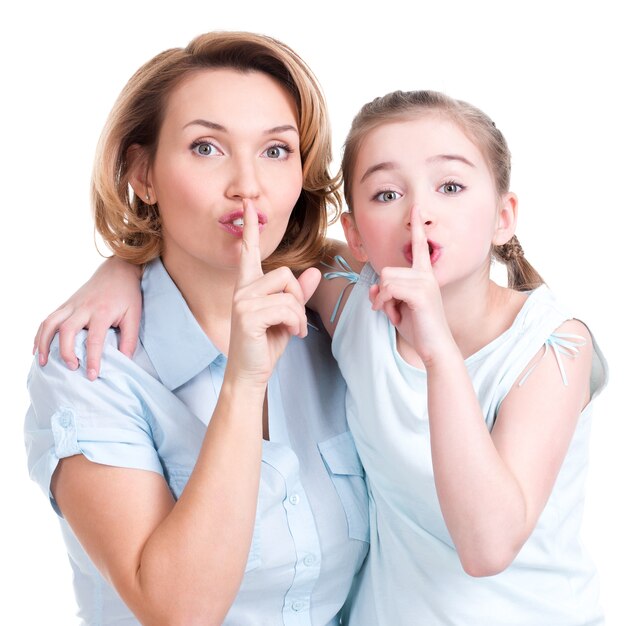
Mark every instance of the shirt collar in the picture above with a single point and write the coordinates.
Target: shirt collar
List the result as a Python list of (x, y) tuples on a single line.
[(174, 341)]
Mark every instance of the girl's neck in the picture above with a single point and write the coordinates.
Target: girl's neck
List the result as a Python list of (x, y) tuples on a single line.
[(479, 313), (208, 292)]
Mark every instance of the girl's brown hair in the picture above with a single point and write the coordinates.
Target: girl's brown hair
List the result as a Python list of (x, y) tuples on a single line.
[(401, 105), (132, 227)]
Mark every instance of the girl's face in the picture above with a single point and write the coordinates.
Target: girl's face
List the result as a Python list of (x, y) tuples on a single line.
[(427, 161), (226, 135)]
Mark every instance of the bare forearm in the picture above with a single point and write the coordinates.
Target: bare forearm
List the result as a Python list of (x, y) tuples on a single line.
[(193, 563), (481, 501)]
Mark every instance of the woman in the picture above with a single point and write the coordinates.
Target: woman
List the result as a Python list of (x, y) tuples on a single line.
[(212, 478)]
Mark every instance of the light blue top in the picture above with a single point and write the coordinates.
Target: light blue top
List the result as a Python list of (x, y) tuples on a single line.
[(151, 412), (413, 575)]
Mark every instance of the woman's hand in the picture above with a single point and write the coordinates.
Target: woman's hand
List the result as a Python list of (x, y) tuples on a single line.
[(111, 297), (411, 298), (267, 308)]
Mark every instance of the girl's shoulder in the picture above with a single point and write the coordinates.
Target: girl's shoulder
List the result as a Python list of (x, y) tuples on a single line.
[(340, 271)]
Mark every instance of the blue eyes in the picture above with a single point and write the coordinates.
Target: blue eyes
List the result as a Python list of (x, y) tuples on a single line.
[(276, 151), (204, 148), (451, 188), (387, 196)]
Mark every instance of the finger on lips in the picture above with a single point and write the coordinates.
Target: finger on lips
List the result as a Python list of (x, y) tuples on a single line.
[(419, 243), (250, 266)]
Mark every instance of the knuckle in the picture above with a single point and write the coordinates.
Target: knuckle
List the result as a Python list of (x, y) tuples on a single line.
[(66, 327), (285, 273)]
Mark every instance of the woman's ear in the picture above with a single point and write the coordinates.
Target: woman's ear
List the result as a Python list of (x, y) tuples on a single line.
[(139, 173), (353, 237), (506, 220)]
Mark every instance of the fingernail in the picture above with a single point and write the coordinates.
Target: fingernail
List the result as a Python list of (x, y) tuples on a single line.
[(92, 374), (42, 359), (71, 364)]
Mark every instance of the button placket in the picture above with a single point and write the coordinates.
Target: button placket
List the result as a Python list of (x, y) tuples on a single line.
[(297, 603)]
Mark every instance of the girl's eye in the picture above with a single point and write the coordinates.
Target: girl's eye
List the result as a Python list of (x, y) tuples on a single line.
[(204, 148), (451, 188), (278, 151), (387, 196)]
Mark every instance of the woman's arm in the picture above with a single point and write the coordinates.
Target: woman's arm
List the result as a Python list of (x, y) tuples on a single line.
[(331, 295), (111, 297), (182, 562), (174, 562)]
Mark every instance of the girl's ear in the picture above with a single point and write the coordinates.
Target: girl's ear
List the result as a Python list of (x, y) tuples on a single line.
[(353, 237), (506, 219), (139, 173)]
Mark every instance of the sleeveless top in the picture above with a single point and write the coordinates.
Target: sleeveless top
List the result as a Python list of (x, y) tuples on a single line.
[(413, 574)]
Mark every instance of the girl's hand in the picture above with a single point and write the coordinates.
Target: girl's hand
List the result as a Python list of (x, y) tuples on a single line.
[(111, 297), (267, 308), (411, 298)]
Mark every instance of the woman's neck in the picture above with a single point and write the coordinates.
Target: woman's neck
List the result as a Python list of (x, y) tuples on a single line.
[(208, 292)]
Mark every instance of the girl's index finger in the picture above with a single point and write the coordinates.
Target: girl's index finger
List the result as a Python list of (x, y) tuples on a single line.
[(250, 265), (419, 243)]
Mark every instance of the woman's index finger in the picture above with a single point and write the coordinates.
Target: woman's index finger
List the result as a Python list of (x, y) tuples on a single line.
[(250, 265)]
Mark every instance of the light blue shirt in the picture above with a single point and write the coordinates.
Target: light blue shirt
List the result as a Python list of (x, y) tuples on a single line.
[(413, 575), (311, 531)]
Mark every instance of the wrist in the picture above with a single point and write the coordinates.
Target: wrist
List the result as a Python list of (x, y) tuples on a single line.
[(248, 388), (443, 356)]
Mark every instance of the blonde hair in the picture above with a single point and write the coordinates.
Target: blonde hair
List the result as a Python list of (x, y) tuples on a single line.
[(132, 228), (400, 105)]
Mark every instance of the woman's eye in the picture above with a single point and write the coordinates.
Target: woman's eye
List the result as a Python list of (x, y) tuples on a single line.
[(204, 148), (277, 152), (451, 188), (387, 196)]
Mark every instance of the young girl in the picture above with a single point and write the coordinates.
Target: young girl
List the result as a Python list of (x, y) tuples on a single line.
[(470, 403), (188, 489)]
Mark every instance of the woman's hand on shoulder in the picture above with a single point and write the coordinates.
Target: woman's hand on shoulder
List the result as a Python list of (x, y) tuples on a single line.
[(110, 298)]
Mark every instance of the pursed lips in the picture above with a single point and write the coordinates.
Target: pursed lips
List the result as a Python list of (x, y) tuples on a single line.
[(434, 251), (233, 222)]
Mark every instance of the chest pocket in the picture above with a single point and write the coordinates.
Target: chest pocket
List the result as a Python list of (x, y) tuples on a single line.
[(345, 470), (177, 479)]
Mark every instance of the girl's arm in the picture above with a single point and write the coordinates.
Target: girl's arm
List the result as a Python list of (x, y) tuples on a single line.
[(111, 297), (492, 487), (182, 562)]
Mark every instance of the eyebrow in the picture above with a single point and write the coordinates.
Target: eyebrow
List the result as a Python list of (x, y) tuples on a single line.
[(378, 167), (391, 165), (223, 129), (450, 157)]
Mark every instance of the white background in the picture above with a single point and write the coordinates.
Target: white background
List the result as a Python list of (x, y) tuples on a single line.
[(550, 74)]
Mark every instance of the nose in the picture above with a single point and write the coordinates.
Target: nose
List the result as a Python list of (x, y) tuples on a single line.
[(243, 181), (423, 212)]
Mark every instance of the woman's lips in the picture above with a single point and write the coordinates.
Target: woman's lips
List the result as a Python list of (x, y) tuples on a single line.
[(233, 222), (434, 251)]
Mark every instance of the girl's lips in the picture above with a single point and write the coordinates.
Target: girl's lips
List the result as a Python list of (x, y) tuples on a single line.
[(233, 222), (434, 250)]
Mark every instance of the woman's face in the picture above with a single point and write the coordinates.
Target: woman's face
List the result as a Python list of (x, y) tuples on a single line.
[(226, 136)]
